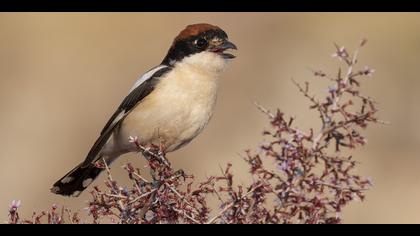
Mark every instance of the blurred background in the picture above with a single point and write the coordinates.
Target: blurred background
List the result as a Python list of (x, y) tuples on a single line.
[(63, 74)]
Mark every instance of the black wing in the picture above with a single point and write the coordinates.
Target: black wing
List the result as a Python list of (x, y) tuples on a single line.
[(129, 102)]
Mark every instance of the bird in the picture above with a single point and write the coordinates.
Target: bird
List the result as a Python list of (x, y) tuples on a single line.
[(170, 104)]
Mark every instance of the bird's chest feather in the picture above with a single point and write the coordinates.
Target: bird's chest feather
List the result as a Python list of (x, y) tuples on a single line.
[(187, 98), (177, 110)]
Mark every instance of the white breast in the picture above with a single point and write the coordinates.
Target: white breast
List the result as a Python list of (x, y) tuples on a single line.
[(180, 106)]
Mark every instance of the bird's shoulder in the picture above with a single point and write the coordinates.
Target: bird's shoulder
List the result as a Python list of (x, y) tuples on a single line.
[(141, 88), (155, 72)]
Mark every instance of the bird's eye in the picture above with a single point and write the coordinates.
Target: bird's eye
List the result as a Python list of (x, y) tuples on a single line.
[(200, 43)]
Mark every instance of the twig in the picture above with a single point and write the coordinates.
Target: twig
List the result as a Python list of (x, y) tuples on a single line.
[(142, 196), (186, 215), (147, 151), (341, 188), (181, 197), (121, 205), (230, 205)]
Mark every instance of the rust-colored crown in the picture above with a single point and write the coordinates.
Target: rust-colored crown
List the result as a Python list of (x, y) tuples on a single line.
[(192, 30)]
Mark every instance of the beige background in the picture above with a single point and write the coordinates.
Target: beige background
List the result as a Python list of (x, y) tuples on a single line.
[(62, 75)]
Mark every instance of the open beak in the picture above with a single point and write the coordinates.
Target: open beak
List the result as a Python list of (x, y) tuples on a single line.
[(220, 49)]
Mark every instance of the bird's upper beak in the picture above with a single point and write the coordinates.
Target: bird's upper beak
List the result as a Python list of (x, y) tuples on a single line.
[(225, 45)]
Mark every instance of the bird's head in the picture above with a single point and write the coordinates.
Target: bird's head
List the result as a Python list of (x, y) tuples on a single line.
[(203, 44)]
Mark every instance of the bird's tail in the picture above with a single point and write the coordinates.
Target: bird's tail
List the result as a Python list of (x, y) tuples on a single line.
[(77, 180)]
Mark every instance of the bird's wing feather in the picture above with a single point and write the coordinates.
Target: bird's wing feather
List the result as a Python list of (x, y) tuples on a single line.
[(143, 87)]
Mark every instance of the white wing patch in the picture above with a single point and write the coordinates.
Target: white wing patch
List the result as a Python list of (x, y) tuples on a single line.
[(146, 76), (86, 182), (67, 180)]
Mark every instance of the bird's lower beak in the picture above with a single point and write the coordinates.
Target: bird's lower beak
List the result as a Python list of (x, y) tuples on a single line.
[(220, 49)]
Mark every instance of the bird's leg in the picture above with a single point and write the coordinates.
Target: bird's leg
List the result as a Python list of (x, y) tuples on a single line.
[(161, 152)]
